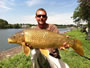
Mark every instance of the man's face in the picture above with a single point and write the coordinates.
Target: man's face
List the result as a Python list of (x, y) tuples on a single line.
[(41, 17)]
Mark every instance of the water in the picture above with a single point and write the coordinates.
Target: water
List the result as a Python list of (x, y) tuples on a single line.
[(62, 30), (5, 33)]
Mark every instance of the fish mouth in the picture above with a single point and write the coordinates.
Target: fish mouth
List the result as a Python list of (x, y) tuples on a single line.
[(10, 40)]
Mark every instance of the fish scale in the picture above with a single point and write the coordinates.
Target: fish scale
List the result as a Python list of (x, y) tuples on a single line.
[(44, 39)]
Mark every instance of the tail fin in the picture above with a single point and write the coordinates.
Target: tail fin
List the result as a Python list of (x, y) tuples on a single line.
[(78, 47)]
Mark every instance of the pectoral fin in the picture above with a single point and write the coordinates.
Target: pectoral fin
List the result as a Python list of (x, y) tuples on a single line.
[(26, 50), (45, 52)]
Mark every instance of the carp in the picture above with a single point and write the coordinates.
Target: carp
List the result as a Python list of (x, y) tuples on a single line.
[(44, 39)]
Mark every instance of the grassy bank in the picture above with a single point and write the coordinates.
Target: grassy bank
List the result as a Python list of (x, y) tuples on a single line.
[(70, 57), (18, 61)]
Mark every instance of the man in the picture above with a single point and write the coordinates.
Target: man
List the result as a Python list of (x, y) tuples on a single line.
[(39, 60)]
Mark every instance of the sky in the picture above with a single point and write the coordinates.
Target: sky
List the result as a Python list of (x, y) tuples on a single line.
[(23, 11)]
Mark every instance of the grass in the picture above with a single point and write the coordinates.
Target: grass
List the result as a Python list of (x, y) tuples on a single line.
[(18, 61), (70, 57)]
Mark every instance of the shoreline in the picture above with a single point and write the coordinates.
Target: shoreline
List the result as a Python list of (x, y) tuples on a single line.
[(10, 52)]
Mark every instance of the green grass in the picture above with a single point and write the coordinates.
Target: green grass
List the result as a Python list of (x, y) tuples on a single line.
[(73, 59), (70, 57), (18, 61)]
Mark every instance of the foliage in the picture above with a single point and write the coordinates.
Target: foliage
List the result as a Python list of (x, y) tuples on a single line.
[(18, 61), (16, 26), (73, 59), (64, 26), (82, 12), (3, 23), (76, 15), (88, 2)]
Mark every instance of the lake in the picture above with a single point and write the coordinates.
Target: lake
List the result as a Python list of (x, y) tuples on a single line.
[(5, 33)]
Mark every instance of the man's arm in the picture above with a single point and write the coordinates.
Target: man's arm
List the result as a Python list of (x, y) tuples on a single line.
[(56, 30)]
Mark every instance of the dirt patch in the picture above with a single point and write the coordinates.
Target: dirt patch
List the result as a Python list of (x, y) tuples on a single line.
[(10, 52)]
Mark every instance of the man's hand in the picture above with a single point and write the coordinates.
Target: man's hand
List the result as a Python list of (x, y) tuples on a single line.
[(65, 46), (29, 45)]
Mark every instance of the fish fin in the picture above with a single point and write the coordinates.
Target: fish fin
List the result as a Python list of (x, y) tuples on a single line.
[(78, 47), (26, 50), (45, 52)]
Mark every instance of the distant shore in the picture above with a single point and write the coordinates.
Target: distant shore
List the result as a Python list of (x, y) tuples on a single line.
[(10, 52)]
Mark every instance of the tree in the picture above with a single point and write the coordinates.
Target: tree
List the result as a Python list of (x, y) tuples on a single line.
[(3, 23), (17, 26), (88, 2), (83, 13), (76, 16)]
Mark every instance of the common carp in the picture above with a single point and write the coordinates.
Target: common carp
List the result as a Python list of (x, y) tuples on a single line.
[(44, 39)]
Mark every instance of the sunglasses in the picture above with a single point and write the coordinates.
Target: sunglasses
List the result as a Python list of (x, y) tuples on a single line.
[(42, 16)]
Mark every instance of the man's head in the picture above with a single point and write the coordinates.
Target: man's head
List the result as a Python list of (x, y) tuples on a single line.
[(41, 16)]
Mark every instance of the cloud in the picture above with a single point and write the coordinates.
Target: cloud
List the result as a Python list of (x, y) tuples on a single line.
[(62, 4), (33, 2), (72, 3), (22, 20), (64, 19), (5, 4), (28, 19)]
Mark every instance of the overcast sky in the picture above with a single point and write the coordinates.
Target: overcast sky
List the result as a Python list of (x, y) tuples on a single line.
[(23, 11)]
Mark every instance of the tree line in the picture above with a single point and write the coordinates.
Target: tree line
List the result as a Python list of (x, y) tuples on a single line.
[(82, 13), (4, 24)]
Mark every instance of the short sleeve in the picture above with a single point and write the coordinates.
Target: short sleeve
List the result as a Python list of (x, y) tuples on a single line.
[(53, 28)]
